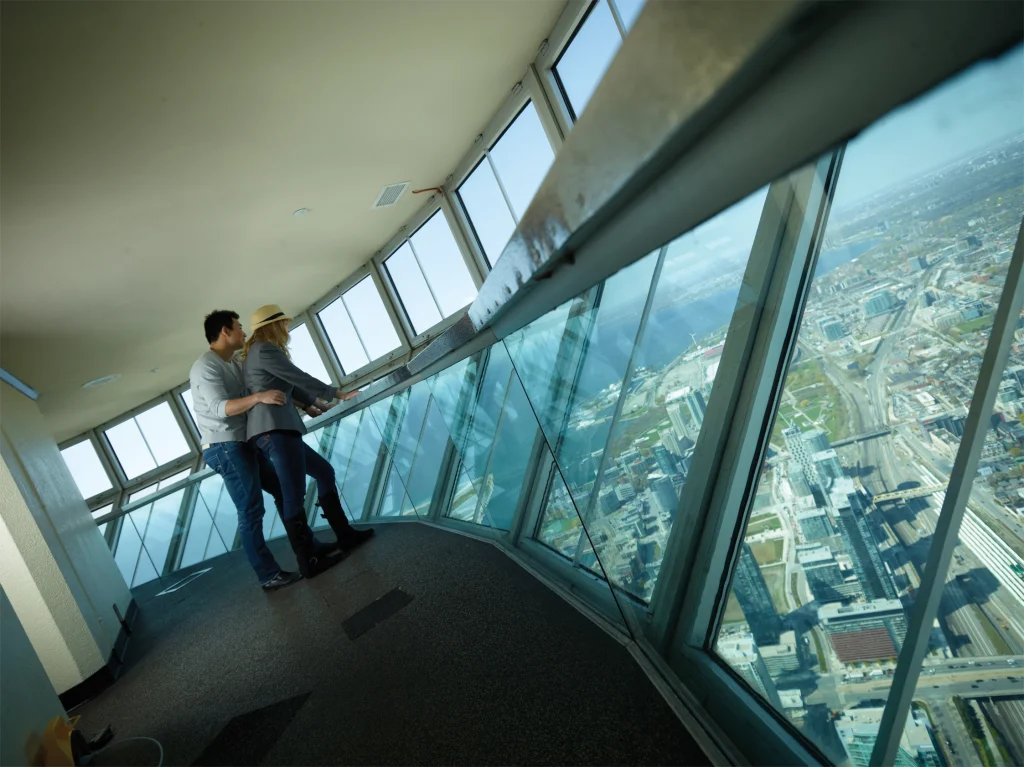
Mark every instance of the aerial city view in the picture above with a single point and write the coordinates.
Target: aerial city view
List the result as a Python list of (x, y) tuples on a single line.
[(889, 352)]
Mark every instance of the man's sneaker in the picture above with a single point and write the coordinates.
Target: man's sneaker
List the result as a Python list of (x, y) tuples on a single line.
[(282, 579), (354, 537)]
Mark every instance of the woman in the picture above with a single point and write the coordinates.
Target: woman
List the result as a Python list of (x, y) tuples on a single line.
[(277, 432)]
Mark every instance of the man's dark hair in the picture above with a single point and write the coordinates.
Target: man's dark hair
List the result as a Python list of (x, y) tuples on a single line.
[(217, 321)]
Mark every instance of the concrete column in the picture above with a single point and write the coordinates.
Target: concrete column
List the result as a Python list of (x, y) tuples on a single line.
[(27, 699), (55, 567)]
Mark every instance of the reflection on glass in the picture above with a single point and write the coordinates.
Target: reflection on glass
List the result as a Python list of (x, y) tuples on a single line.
[(522, 157), (150, 439), (915, 257), (304, 355), (366, 450), (489, 214), (412, 289), (584, 61), (86, 469), (560, 526)]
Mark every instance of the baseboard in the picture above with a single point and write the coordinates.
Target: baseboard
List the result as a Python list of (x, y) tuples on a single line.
[(96, 683)]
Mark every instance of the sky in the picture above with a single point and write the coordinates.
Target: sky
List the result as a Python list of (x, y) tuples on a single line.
[(971, 111)]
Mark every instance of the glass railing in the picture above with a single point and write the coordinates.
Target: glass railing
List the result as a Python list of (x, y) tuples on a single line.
[(737, 448)]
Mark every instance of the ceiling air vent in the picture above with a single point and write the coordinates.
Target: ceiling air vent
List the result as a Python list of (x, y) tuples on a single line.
[(390, 195)]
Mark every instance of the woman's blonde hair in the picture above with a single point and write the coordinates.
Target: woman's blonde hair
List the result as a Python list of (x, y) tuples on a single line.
[(275, 333)]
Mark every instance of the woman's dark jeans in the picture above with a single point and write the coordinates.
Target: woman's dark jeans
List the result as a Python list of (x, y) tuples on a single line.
[(292, 460)]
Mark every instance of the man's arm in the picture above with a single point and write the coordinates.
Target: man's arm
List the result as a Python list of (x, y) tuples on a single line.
[(210, 382), (245, 404)]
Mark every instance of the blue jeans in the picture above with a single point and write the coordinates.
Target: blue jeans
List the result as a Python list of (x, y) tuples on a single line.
[(293, 459), (246, 474)]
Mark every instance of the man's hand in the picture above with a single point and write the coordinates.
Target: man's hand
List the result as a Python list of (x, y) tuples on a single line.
[(313, 412), (271, 397)]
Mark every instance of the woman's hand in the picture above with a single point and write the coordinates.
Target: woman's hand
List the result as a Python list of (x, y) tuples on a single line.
[(313, 411), (345, 396)]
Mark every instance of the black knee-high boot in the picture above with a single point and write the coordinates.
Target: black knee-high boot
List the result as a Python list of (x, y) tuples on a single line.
[(348, 536), (311, 562)]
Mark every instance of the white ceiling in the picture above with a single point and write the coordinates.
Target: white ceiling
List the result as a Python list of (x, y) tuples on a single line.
[(152, 154)]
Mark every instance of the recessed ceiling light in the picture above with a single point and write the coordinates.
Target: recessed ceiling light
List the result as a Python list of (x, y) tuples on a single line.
[(301, 212), (101, 381)]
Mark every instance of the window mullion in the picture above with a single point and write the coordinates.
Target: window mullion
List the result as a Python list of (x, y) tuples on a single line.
[(945, 538), (501, 186), (359, 336), (426, 280), (616, 17)]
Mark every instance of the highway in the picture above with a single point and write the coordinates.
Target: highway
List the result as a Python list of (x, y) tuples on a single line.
[(881, 470)]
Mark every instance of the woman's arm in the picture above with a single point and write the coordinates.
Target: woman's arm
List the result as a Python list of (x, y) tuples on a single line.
[(308, 388)]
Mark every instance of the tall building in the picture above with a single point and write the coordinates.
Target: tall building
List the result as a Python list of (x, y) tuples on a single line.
[(917, 263), (755, 599), (834, 331), (797, 479), (827, 464), (878, 303), (695, 402), (798, 449), (741, 653), (663, 495), (866, 631), (609, 501), (857, 729), (781, 658), (814, 524), (668, 439), (675, 417), (822, 572), (664, 460), (860, 542), (817, 440)]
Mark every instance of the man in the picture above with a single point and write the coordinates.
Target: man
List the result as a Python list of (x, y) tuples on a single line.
[(220, 404)]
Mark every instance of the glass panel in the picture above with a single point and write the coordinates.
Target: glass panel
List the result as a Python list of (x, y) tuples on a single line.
[(161, 522), (371, 319), (127, 548), (412, 289), (427, 462), (86, 469), (674, 366), (305, 355), (560, 526), (915, 255), (522, 157), (365, 453), (510, 457), (341, 334), (629, 10), (443, 265), (150, 439), (487, 210), (579, 390), (584, 61), (97, 513), (465, 502)]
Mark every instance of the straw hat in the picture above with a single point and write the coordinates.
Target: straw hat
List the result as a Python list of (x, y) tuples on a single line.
[(265, 315)]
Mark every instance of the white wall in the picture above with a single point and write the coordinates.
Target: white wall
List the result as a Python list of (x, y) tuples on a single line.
[(54, 565), (27, 699)]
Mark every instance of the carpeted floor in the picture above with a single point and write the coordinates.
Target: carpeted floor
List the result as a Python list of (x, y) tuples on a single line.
[(467, 660)]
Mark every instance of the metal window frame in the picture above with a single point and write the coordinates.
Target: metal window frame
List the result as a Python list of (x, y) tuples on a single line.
[(560, 38), (313, 312), (945, 539), (436, 204), (528, 89), (111, 495), (552, 81), (189, 459), (319, 343), (177, 393)]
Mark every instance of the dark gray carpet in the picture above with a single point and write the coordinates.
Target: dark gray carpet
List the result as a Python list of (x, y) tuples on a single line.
[(483, 665)]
